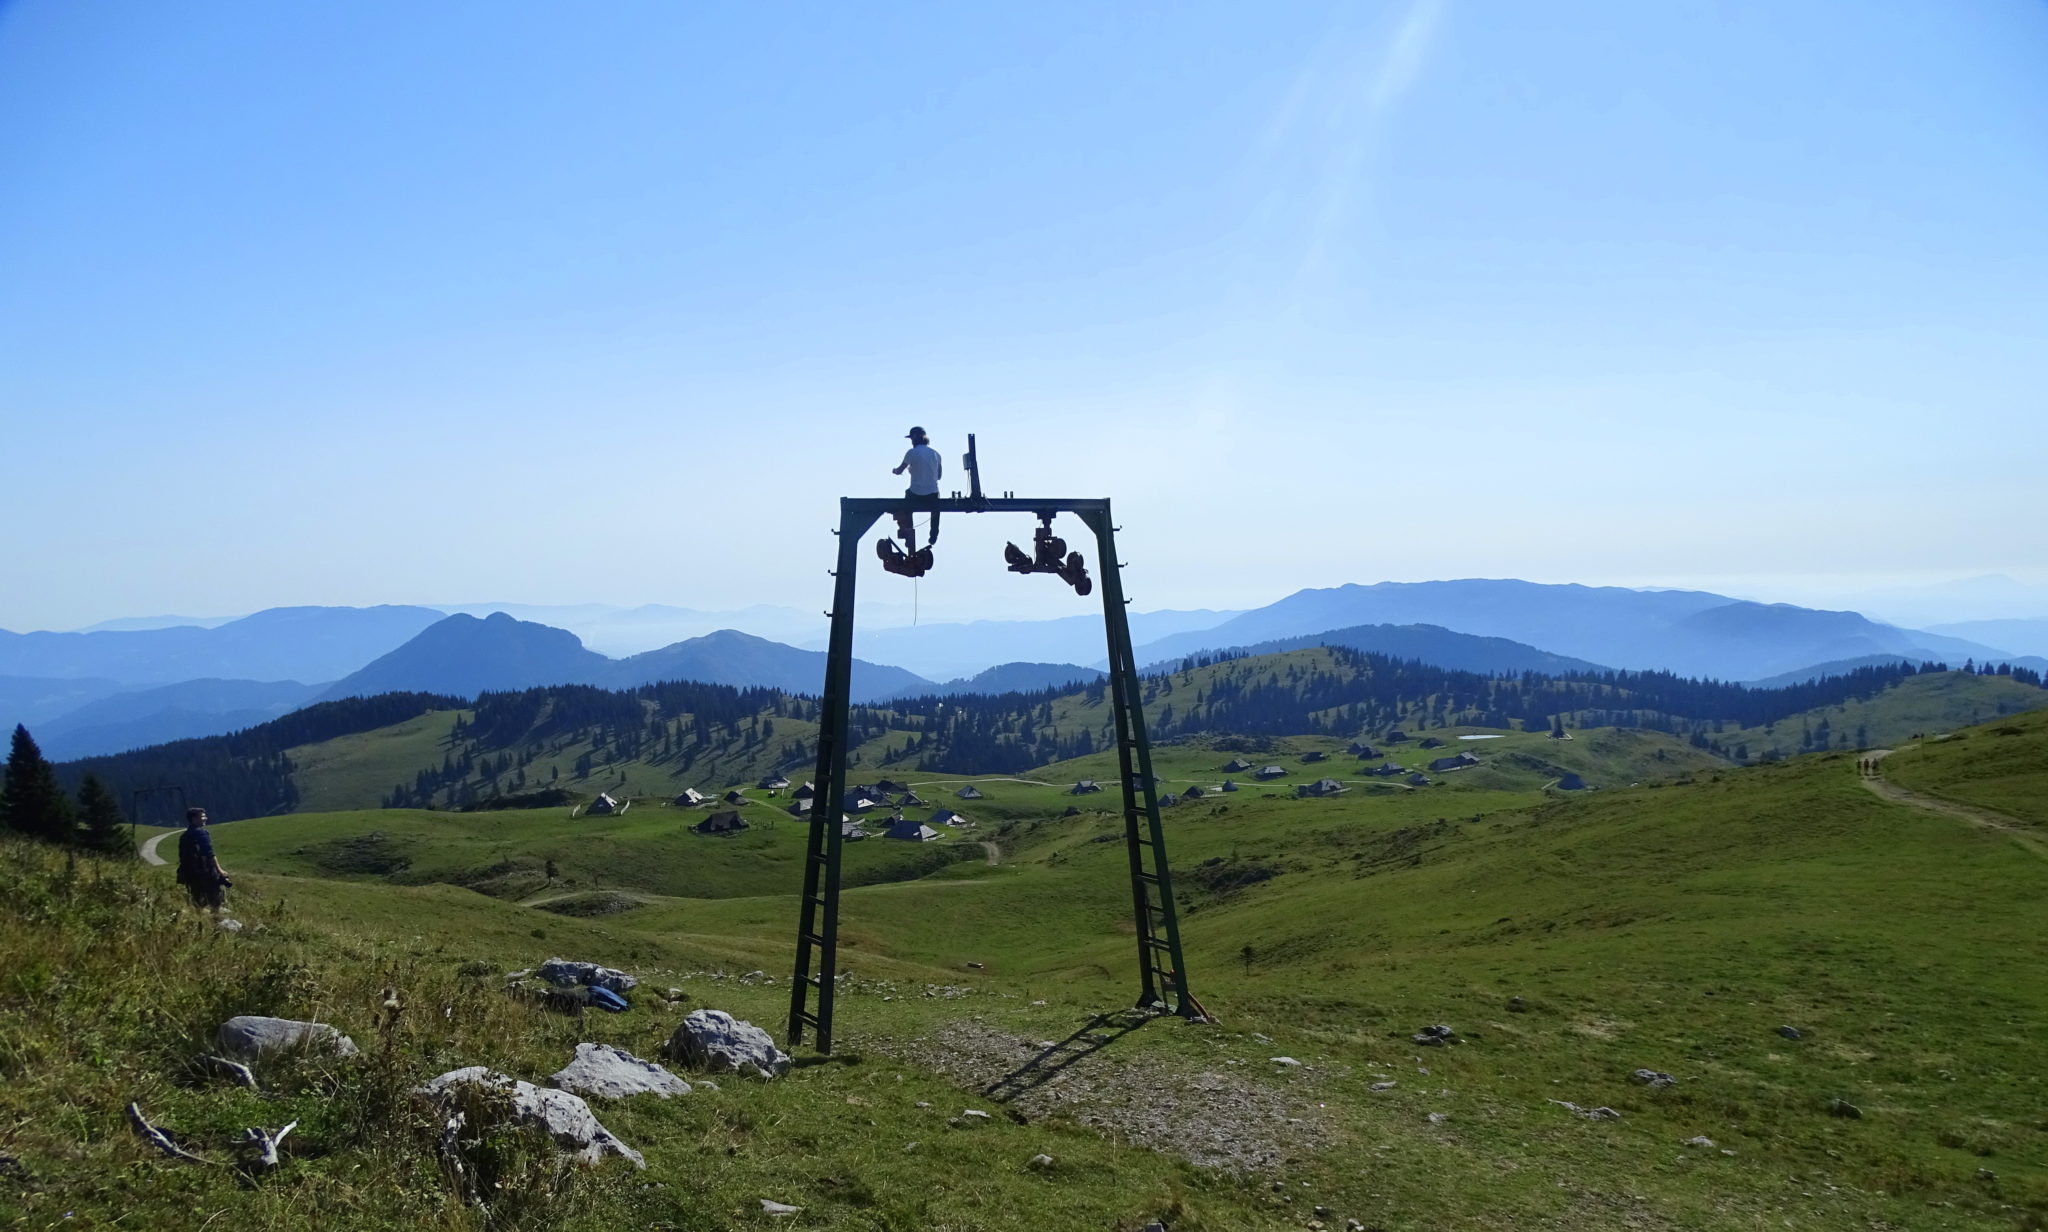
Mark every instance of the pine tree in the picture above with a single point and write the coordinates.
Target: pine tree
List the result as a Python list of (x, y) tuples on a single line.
[(30, 801), (100, 820)]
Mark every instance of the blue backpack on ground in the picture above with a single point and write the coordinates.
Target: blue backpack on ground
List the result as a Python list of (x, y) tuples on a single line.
[(606, 999)]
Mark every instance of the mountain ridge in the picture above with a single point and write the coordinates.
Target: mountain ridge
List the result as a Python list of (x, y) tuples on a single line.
[(465, 655), (1691, 633)]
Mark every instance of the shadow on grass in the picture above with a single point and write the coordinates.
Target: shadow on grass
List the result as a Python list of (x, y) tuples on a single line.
[(1094, 1035), (837, 1058)]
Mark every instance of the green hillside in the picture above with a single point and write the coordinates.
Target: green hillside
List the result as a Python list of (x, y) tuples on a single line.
[(1672, 926), (2001, 765), (507, 854), (1930, 703)]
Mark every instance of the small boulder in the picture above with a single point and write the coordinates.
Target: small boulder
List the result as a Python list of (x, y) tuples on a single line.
[(1653, 1079), (778, 1209), (603, 1072), (715, 1041), (1287, 1062), (1603, 1113), (1435, 1037), (1381, 1086), (1844, 1109), (563, 1116), (1517, 1006), (1703, 1142), (1040, 1161), (252, 1037), (565, 973), (1791, 1033)]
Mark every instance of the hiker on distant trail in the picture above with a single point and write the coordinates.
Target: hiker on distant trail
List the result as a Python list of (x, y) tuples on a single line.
[(922, 461), (198, 871)]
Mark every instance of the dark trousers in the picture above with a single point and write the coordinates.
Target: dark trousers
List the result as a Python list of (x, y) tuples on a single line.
[(905, 528)]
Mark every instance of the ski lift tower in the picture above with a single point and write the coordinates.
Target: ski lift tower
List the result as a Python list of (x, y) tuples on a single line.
[(1162, 973)]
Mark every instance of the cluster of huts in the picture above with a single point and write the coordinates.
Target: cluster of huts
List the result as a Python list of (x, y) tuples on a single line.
[(858, 807), (1364, 749)]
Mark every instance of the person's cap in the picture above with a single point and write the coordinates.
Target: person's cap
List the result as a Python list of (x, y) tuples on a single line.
[(914, 433)]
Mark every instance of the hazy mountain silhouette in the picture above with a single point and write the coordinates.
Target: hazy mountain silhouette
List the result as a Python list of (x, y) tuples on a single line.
[(463, 656), (32, 700), (950, 651), (2027, 637), (282, 643), (1689, 632), (143, 717), (1014, 678), (731, 657), (1430, 644)]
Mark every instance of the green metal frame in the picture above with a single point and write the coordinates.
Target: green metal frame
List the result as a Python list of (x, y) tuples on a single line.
[(1162, 970)]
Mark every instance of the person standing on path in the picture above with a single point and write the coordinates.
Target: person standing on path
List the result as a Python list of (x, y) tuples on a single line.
[(922, 461), (198, 869)]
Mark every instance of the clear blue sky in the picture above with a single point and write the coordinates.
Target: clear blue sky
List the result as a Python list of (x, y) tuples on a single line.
[(400, 302)]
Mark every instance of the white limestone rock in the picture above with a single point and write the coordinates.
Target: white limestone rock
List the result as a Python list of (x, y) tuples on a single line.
[(565, 1117), (253, 1037), (715, 1041), (601, 1071)]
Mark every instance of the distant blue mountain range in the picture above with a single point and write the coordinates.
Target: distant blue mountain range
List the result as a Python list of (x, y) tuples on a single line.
[(132, 682)]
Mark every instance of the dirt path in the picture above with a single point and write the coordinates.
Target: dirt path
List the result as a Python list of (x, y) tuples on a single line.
[(1982, 818), (149, 855), (995, 853)]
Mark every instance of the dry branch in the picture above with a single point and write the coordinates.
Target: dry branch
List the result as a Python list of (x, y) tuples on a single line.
[(159, 1139), (264, 1144)]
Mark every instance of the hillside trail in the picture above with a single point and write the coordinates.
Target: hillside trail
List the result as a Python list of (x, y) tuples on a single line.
[(995, 853), (2018, 831), (149, 855)]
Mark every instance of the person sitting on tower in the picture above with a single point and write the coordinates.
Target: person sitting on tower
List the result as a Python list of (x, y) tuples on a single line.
[(922, 461)]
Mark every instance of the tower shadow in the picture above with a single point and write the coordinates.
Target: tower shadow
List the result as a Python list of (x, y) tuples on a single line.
[(1090, 1038)]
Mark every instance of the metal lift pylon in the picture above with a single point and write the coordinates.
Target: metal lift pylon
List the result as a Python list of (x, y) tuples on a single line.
[(1162, 970)]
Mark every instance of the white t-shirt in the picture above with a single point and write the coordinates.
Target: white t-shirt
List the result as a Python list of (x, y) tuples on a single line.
[(922, 463)]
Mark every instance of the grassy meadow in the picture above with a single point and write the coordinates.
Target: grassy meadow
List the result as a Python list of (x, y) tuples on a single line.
[(1998, 766), (1569, 939)]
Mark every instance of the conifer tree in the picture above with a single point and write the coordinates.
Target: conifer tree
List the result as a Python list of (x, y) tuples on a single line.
[(100, 821), (31, 802)]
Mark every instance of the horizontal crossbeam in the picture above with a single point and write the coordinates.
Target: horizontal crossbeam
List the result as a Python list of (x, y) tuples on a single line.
[(880, 506)]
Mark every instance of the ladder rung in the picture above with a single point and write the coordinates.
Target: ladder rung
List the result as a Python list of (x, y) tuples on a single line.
[(813, 938), (807, 1016)]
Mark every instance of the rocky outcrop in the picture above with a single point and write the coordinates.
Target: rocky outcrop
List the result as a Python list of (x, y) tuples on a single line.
[(715, 1041), (563, 1116), (601, 1071), (253, 1037)]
